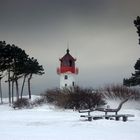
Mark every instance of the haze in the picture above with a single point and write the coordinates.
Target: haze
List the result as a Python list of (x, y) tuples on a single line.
[(99, 33)]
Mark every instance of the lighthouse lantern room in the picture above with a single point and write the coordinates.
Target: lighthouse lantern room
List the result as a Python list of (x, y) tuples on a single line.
[(67, 71)]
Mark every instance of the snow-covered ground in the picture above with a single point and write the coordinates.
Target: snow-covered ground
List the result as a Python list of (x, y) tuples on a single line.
[(50, 123)]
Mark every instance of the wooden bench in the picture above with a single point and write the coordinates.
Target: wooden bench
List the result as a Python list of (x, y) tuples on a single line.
[(117, 117), (106, 111), (116, 110)]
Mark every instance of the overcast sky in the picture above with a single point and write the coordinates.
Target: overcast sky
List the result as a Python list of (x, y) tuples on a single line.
[(100, 34)]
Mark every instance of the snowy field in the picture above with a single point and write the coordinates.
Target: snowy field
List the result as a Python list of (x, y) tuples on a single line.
[(50, 123)]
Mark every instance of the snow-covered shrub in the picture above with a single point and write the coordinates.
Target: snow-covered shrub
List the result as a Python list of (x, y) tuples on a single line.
[(21, 103)]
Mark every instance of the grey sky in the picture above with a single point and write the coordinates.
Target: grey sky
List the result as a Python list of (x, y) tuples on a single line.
[(100, 33)]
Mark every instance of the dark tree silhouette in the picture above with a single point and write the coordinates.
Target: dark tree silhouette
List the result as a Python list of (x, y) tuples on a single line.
[(1, 76), (19, 57), (31, 67), (16, 64), (5, 62), (8, 64), (137, 24), (2, 66), (134, 80), (11, 58)]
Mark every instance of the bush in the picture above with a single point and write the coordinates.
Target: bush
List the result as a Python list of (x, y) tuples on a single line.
[(51, 95), (78, 98), (121, 92), (22, 103), (38, 101), (56, 97)]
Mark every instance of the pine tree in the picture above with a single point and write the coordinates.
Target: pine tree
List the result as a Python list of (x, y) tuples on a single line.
[(134, 80), (137, 25), (16, 64), (31, 67)]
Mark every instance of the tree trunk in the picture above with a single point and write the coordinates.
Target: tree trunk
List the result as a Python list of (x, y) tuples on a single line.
[(23, 86), (29, 86), (13, 79), (17, 90), (1, 91), (12, 91), (9, 86)]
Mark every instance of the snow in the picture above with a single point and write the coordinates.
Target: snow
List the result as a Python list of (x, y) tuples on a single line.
[(51, 123)]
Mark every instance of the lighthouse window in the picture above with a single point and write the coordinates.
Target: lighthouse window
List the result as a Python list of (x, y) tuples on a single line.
[(65, 85), (70, 63), (73, 83), (66, 77)]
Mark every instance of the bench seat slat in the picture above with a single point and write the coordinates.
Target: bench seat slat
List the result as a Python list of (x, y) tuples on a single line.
[(119, 115)]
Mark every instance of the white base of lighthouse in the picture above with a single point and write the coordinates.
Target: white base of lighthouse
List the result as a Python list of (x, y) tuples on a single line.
[(67, 80)]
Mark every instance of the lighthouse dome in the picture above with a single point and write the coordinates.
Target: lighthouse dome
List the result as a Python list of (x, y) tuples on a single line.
[(67, 60)]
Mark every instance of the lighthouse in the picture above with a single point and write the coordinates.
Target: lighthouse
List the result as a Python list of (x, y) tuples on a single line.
[(67, 71)]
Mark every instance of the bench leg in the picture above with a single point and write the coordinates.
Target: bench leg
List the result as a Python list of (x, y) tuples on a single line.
[(117, 118), (107, 118), (90, 118), (124, 118)]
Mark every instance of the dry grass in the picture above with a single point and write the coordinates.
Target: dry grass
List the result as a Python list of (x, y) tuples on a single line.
[(120, 91)]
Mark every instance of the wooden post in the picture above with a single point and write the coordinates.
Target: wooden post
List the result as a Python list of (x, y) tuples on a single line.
[(89, 118), (124, 118), (107, 118), (117, 118)]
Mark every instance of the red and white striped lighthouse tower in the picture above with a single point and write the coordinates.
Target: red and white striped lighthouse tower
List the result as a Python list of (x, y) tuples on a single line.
[(67, 71)]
